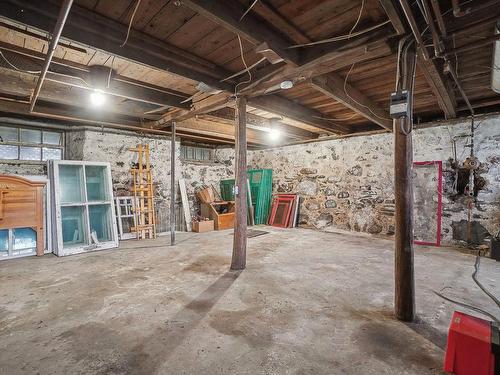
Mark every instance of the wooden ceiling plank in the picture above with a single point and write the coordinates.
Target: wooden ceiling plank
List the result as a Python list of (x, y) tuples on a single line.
[(105, 34), (77, 76), (252, 27), (334, 86)]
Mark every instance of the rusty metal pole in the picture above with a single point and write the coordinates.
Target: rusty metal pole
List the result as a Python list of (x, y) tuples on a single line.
[(54, 40), (172, 185)]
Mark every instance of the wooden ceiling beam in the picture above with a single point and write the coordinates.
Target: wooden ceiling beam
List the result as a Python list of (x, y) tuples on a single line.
[(482, 12), (104, 34), (204, 105), (270, 103), (440, 86), (334, 86), (22, 84), (74, 115), (252, 27), (202, 126), (355, 51), (395, 16), (229, 115), (295, 111), (71, 75)]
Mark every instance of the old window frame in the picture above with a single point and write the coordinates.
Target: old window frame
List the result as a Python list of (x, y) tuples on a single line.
[(196, 153), (41, 146), (85, 203)]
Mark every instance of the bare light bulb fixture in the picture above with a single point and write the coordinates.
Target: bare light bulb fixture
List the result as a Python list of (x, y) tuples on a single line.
[(274, 134), (97, 98), (285, 85)]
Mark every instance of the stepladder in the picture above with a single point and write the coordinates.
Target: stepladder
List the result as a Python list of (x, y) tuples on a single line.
[(143, 192)]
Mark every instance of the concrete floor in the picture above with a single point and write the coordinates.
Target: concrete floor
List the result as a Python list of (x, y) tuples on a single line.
[(309, 302)]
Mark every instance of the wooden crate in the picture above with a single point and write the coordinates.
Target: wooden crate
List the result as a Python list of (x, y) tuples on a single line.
[(203, 226), (221, 221)]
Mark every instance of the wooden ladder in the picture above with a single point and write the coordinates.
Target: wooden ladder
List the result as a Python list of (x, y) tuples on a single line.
[(142, 190)]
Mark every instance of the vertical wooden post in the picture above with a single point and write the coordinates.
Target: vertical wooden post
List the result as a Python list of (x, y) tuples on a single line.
[(238, 261), (403, 191), (172, 185)]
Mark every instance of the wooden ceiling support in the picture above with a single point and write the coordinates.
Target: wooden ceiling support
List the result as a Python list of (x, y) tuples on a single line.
[(77, 75), (98, 32), (21, 85), (284, 107), (483, 12), (202, 126), (229, 115), (207, 104), (334, 86), (75, 116), (395, 16), (252, 27), (335, 59), (440, 86), (433, 72)]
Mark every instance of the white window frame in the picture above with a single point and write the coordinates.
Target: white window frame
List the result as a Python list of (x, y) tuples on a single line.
[(122, 202), (58, 247)]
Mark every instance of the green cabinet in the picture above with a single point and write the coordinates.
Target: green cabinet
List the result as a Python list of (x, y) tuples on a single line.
[(261, 188)]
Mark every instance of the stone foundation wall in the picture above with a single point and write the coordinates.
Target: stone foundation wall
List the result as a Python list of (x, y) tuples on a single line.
[(344, 183), (348, 183)]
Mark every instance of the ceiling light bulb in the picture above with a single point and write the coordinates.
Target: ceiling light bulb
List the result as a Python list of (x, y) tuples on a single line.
[(274, 134), (285, 85), (97, 98)]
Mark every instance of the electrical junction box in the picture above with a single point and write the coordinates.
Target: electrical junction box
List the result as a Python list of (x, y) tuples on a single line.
[(399, 104)]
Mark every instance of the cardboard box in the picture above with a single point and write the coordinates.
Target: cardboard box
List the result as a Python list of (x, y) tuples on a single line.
[(203, 226)]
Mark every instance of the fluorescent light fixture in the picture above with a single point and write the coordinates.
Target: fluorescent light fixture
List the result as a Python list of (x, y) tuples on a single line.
[(97, 98), (285, 85)]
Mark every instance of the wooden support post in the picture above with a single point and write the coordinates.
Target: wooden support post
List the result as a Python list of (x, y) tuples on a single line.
[(403, 190), (238, 261), (172, 185)]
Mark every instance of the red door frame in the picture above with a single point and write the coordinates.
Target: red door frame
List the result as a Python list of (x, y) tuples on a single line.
[(439, 164), (281, 198)]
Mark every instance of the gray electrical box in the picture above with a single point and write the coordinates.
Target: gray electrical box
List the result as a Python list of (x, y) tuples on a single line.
[(399, 104)]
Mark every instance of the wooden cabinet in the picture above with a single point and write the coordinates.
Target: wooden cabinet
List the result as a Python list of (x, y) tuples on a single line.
[(21, 207)]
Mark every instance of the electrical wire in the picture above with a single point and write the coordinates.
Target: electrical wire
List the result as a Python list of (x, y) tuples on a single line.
[(246, 67), (340, 37), (463, 304), (481, 286), (412, 89), (355, 101), (336, 119), (359, 17), (248, 10), (244, 70), (19, 69), (130, 23)]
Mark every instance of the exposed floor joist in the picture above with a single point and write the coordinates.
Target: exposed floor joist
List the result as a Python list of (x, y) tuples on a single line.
[(89, 28), (251, 27), (439, 84), (334, 86), (284, 107), (78, 75)]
